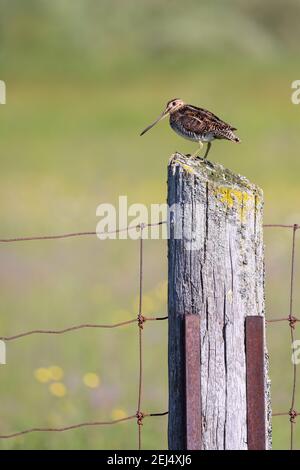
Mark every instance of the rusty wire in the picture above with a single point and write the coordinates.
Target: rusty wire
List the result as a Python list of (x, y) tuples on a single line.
[(66, 428), (293, 226), (140, 320), (78, 234), (291, 320), (79, 425), (77, 327)]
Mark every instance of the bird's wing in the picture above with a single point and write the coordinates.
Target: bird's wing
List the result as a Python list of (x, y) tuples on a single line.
[(191, 121), (209, 117)]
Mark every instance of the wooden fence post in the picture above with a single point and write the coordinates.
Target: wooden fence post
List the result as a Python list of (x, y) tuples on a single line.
[(216, 271)]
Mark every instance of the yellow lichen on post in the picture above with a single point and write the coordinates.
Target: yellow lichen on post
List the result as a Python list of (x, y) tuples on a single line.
[(242, 201), (187, 165), (188, 168)]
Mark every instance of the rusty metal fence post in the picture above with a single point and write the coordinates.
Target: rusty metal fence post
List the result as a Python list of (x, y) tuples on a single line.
[(255, 366), (193, 382)]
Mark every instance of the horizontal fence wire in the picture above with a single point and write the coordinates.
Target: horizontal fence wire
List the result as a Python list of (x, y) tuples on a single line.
[(140, 321), (80, 234), (291, 320), (110, 232), (78, 327), (79, 425)]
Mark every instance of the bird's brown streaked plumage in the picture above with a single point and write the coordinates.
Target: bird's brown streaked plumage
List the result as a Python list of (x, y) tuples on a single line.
[(196, 124), (202, 122)]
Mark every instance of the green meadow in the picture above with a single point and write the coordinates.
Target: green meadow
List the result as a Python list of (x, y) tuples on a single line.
[(83, 79)]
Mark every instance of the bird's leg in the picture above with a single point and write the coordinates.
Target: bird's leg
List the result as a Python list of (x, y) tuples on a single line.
[(207, 150), (201, 147)]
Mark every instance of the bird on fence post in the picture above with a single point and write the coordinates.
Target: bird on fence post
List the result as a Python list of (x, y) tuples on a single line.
[(196, 124)]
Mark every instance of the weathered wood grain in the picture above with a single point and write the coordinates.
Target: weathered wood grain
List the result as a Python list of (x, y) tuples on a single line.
[(216, 270)]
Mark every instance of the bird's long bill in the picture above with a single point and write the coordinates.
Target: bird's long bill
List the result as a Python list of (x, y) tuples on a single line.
[(164, 114)]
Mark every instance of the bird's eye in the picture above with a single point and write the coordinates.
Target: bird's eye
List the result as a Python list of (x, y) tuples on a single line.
[(173, 104)]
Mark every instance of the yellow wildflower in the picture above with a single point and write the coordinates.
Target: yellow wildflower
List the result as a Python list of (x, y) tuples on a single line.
[(58, 389), (91, 380), (42, 375)]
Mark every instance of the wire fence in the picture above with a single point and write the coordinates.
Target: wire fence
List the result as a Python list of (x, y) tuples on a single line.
[(140, 321), (291, 320)]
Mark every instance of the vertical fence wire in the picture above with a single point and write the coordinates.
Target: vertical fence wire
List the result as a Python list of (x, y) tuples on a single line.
[(292, 327), (140, 326)]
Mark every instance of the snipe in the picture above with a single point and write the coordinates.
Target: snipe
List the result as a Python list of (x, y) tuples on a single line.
[(196, 124)]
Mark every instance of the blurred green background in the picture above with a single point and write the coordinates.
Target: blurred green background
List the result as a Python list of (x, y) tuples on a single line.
[(83, 78)]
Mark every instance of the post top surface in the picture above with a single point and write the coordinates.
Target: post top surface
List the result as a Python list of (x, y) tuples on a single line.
[(212, 172)]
